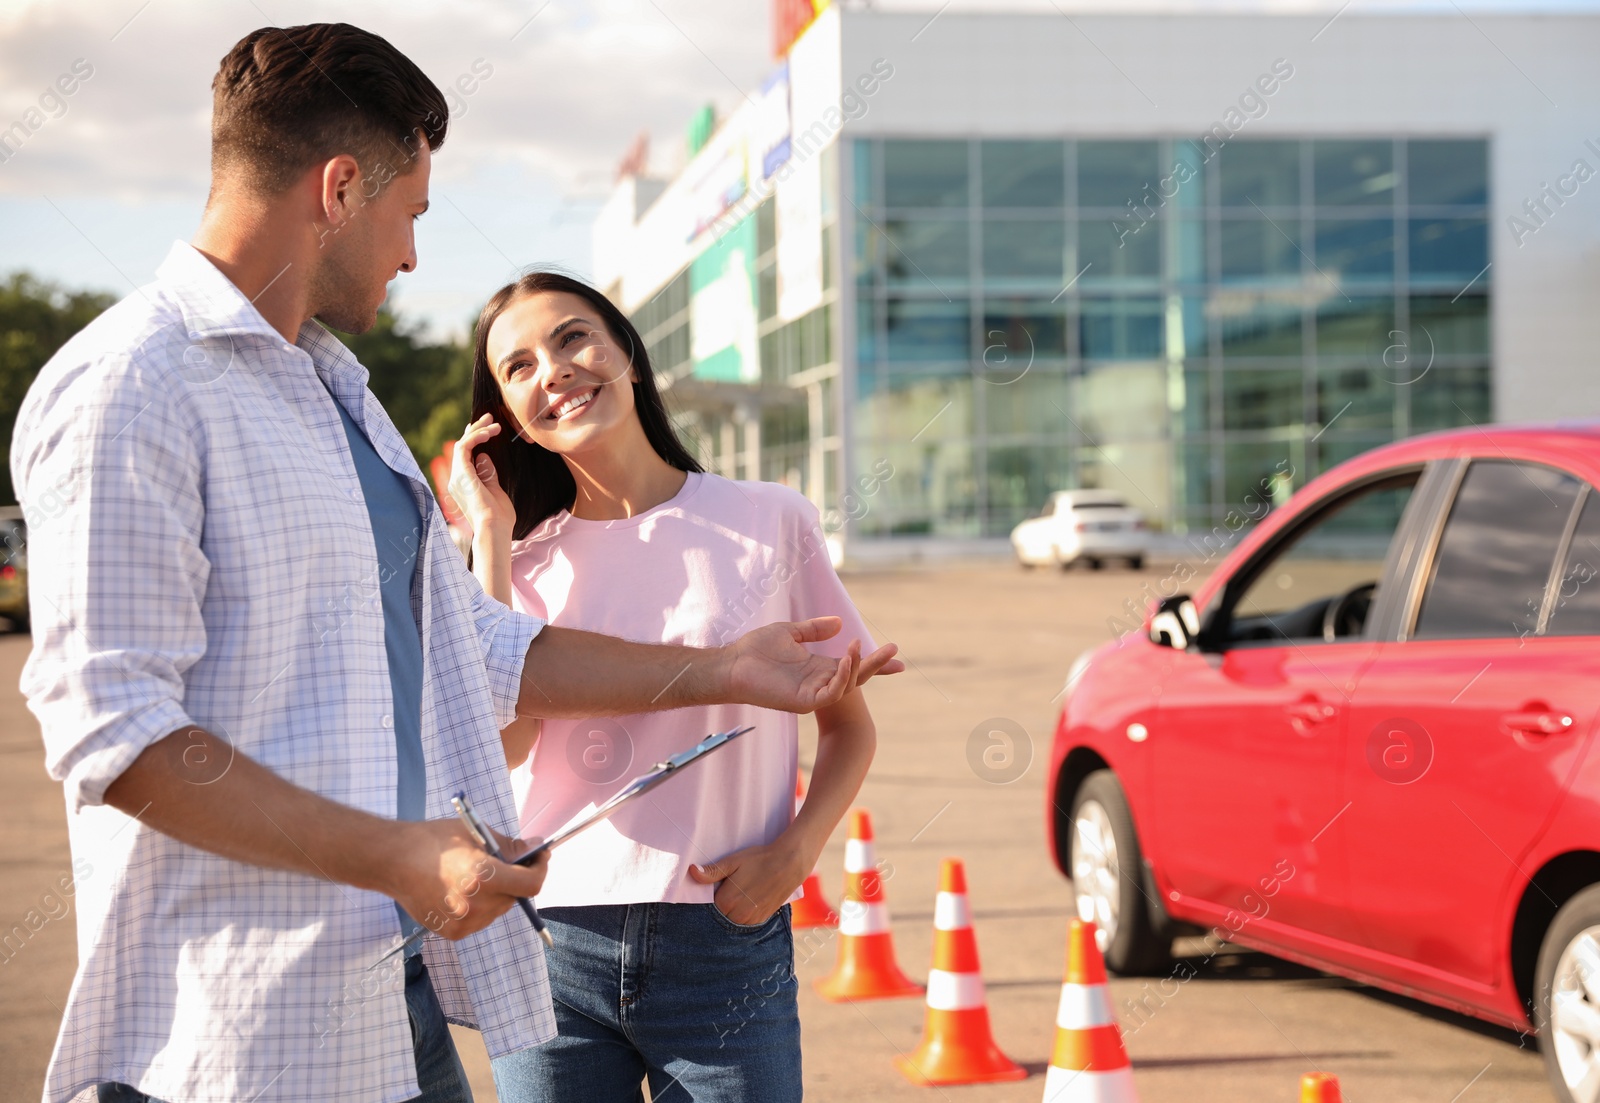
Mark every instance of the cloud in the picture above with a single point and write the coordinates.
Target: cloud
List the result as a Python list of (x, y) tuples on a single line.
[(566, 95), (94, 196)]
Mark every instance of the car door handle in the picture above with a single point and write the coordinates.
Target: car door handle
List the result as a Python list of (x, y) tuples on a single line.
[(1308, 714), (1539, 723)]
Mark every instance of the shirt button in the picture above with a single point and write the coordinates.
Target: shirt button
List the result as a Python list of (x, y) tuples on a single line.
[(388, 721), (356, 494)]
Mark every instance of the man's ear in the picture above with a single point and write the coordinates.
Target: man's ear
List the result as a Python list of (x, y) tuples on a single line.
[(340, 194)]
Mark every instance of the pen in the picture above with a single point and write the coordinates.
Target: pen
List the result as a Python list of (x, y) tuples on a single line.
[(485, 837)]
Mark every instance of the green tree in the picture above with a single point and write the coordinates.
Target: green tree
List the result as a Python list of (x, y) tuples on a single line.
[(425, 386), (36, 319)]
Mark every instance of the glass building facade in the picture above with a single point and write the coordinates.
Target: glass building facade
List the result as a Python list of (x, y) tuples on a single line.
[(785, 426), (1174, 320)]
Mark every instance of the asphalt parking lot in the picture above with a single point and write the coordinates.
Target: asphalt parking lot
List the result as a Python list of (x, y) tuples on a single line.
[(983, 642)]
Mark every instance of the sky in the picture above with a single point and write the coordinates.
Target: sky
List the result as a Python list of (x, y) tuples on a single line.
[(96, 196)]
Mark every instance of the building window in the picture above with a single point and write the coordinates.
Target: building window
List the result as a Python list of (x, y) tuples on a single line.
[(1169, 320)]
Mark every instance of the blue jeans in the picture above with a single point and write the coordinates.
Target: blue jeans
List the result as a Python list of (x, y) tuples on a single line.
[(677, 993), (439, 1073)]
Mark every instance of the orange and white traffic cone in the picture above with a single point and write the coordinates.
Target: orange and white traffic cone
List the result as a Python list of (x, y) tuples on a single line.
[(1320, 1087), (811, 910), (866, 969), (957, 1047), (1089, 1064)]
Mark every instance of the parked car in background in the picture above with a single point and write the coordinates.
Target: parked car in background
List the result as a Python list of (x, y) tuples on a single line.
[(1364, 744), (14, 567), (1090, 526)]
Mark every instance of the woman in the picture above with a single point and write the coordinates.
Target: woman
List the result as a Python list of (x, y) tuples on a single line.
[(673, 958)]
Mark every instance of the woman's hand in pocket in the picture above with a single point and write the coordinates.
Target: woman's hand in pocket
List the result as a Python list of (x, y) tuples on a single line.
[(754, 882), (474, 483)]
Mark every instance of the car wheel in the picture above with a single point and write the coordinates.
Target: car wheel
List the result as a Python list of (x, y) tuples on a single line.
[(1136, 562), (1024, 564), (1095, 563), (1063, 561), (1107, 872), (1567, 998)]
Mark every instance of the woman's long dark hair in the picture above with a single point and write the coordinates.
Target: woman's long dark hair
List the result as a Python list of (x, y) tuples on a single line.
[(537, 479)]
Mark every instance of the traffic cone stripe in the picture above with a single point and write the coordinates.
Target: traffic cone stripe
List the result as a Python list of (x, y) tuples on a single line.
[(866, 886), (1064, 1086), (1097, 1049), (954, 991), (1084, 1007), (951, 912), (859, 856), (957, 953), (858, 918)]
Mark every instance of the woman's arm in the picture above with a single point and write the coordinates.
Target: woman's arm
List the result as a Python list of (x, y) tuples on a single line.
[(476, 489), (758, 880), (846, 742), (491, 563), (519, 738)]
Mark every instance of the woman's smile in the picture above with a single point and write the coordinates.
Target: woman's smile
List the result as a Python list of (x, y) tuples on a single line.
[(572, 405)]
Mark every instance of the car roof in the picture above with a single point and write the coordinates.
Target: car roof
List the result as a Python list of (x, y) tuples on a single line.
[(1572, 445)]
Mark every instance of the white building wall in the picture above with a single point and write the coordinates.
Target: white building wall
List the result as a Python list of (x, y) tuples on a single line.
[(1531, 83), (645, 251)]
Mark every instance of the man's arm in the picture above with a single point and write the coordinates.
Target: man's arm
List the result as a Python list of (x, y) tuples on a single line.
[(568, 673), (199, 789), (109, 472)]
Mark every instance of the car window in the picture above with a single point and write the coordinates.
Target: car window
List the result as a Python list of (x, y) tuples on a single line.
[(1330, 569), (1575, 610), (1499, 544), (1081, 506)]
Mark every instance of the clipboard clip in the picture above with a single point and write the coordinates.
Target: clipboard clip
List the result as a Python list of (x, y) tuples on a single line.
[(710, 742)]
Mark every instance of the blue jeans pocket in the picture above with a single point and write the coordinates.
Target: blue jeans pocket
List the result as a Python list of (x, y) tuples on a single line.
[(745, 928)]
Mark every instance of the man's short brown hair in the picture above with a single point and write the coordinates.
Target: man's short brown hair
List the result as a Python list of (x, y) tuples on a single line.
[(287, 98)]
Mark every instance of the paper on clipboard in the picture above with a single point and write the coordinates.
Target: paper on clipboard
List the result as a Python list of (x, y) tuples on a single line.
[(635, 788)]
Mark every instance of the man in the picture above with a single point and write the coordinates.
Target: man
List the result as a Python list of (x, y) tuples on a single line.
[(260, 666)]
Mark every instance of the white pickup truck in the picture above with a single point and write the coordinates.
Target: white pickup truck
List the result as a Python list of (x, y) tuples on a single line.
[(1087, 525)]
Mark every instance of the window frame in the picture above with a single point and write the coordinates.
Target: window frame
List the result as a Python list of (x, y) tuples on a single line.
[(1219, 615)]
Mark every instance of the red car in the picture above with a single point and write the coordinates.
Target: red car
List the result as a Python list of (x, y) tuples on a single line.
[(1364, 744)]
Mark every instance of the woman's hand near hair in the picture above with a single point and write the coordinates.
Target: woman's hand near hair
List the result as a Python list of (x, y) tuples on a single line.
[(475, 486)]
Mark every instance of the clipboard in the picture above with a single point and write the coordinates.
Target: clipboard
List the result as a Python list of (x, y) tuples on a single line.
[(635, 788), (638, 787)]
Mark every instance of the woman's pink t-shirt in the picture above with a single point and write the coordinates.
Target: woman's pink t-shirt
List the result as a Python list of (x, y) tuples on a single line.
[(717, 560)]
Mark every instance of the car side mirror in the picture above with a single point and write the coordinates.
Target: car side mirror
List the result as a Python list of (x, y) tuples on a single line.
[(1176, 623)]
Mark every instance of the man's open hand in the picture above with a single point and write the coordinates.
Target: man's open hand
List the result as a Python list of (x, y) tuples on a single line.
[(772, 668)]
